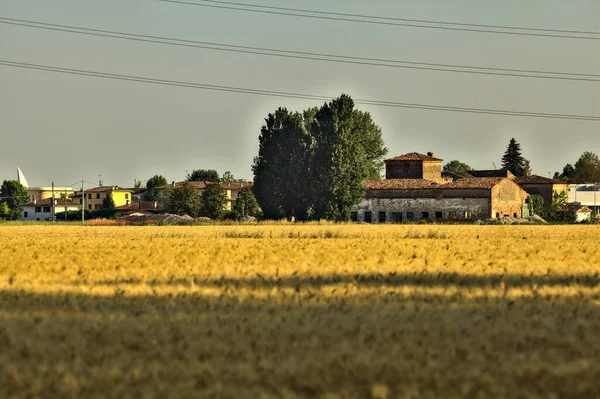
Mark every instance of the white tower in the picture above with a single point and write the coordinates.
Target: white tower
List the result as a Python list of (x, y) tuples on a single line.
[(21, 178)]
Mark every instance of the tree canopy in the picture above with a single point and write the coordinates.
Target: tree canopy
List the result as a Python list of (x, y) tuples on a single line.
[(246, 204), (213, 201), (183, 200), (108, 203), (14, 195), (204, 175), (587, 168), (513, 161), (314, 162), (456, 167), (151, 184)]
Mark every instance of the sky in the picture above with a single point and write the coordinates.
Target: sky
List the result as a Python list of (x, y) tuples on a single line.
[(64, 128)]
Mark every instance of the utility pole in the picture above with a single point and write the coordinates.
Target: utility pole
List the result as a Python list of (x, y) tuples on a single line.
[(66, 205), (53, 210), (82, 204)]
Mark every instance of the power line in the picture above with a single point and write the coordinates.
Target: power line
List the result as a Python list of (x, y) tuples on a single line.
[(272, 93), (378, 20), (305, 55)]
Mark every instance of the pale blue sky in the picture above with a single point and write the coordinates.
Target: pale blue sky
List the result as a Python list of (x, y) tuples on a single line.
[(66, 128)]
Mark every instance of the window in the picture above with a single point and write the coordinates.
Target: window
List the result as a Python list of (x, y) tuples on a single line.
[(98, 196), (25, 214), (90, 207), (368, 217), (410, 215), (38, 209), (97, 206), (439, 215), (89, 196), (425, 215), (126, 202), (452, 214), (514, 215), (468, 215), (382, 217), (81, 201), (354, 216), (497, 215), (46, 209), (396, 217), (126, 196)]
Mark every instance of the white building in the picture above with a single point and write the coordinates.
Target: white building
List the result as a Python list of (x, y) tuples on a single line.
[(587, 195), (42, 193), (42, 210)]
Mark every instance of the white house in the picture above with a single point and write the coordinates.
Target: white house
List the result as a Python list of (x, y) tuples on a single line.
[(587, 195), (42, 210)]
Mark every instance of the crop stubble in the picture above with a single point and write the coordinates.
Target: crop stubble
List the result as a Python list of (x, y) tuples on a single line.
[(300, 311)]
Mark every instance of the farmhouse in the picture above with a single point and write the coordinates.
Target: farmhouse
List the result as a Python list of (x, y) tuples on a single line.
[(415, 189)]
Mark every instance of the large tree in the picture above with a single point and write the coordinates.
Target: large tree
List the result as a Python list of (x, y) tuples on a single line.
[(315, 161), (151, 184), (281, 168), (513, 161), (213, 201), (183, 200), (246, 204), (587, 168), (567, 173), (348, 149), (204, 175), (14, 195), (456, 167)]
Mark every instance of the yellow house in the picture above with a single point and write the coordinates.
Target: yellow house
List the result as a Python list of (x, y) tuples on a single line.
[(95, 196)]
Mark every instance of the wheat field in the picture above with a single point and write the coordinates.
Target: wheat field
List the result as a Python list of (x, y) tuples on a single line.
[(299, 311)]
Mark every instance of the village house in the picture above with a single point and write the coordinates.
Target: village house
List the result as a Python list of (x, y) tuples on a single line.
[(587, 195), (232, 190), (543, 187), (95, 196), (42, 209), (414, 189)]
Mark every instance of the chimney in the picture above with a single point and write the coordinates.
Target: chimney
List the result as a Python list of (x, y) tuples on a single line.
[(430, 154)]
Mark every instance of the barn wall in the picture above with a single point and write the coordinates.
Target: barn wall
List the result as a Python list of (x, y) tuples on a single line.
[(451, 208), (508, 199), (432, 171)]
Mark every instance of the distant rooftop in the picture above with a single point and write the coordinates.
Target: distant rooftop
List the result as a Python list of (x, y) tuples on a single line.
[(415, 156)]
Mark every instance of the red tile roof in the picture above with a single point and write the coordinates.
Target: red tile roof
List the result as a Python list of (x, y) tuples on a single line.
[(236, 185), (415, 156), (197, 184), (411, 184), (535, 179), (398, 184), (48, 202), (473, 182)]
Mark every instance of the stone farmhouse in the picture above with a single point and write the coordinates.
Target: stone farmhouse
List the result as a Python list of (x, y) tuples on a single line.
[(415, 189)]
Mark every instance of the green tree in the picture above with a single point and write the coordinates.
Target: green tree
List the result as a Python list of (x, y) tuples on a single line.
[(151, 184), (204, 175), (536, 204), (227, 177), (183, 200), (587, 168), (246, 204), (456, 167), (526, 168), (560, 210), (4, 211), (213, 200), (14, 195), (108, 203), (348, 149), (512, 160), (281, 168)]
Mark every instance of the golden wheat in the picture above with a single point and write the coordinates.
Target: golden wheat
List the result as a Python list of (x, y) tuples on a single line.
[(300, 311)]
